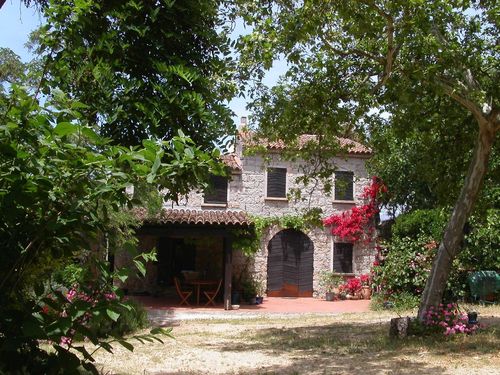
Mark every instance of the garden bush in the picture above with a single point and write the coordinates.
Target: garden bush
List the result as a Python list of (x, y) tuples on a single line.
[(129, 321), (408, 255), (427, 222)]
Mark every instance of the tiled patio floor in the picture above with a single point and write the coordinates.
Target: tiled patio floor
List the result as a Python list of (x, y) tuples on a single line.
[(163, 310)]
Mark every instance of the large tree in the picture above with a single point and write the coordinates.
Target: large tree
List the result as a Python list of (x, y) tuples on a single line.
[(113, 74), (145, 68), (374, 66)]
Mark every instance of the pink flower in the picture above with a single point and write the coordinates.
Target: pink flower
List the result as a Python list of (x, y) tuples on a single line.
[(71, 294), (65, 341)]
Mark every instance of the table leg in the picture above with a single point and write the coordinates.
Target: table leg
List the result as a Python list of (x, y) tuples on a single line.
[(198, 294)]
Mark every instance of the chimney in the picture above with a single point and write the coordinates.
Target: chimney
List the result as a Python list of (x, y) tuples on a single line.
[(243, 122)]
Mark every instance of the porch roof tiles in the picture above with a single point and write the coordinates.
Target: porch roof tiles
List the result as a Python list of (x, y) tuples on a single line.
[(190, 216)]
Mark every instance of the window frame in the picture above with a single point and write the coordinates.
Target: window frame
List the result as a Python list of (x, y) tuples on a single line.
[(349, 199), (351, 248), (214, 194), (279, 198)]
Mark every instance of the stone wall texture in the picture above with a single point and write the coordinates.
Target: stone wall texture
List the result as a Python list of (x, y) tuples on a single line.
[(247, 192)]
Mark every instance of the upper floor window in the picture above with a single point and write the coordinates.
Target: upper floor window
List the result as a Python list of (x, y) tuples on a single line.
[(276, 182), (344, 186), (217, 191), (342, 257)]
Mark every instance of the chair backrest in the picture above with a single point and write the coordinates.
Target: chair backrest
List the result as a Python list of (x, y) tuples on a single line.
[(177, 285), (218, 287)]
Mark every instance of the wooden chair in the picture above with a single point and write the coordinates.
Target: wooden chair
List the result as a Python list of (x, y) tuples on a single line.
[(183, 294), (211, 294)]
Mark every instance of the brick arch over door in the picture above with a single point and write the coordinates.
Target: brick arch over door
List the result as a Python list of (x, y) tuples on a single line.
[(290, 265)]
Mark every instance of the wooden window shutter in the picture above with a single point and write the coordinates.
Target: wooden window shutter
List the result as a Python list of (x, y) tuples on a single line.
[(342, 257), (344, 186), (217, 191), (276, 182)]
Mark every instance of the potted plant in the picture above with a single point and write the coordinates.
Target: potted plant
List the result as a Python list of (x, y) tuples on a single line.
[(259, 286), (366, 290), (330, 282), (353, 288), (249, 289)]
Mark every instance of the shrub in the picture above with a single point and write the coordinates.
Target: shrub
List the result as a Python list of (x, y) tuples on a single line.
[(449, 320), (406, 266), (427, 222), (410, 252), (397, 301), (71, 274), (129, 321)]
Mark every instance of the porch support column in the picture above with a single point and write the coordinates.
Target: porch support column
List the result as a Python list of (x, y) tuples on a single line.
[(228, 271)]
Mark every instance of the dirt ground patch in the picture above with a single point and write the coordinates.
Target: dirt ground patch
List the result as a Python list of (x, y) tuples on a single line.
[(309, 344)]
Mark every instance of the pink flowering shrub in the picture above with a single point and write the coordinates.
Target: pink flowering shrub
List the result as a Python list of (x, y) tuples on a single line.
[(449, 320)]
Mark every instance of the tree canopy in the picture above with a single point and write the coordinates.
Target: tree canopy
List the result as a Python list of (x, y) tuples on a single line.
[(146, 69), (122, 84), (415, 72)]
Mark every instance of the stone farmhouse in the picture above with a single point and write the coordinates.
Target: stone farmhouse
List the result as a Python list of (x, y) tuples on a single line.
[(197, 233)]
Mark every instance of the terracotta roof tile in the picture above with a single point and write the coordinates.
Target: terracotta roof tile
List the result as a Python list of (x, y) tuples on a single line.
[(187, 216), (353, 147), (232, 161)]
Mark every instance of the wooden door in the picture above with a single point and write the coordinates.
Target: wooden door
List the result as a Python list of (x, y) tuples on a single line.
[(290, 265)]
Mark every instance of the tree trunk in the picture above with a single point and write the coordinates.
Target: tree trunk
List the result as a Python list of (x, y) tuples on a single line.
[(453, 235)]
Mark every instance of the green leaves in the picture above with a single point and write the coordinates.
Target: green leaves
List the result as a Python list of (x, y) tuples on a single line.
[(152, 68), (65, 128)]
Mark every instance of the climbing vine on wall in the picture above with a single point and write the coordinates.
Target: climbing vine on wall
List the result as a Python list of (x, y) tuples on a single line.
[(353, 224), (248, 240)]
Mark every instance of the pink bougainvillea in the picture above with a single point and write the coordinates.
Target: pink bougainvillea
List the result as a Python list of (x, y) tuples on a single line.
[(352, 224)]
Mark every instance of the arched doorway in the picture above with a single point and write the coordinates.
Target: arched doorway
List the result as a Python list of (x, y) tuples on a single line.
[(290, 265)]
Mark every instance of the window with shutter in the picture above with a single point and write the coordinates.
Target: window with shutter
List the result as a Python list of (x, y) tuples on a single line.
[(344, 186), (342, 257), (276, 182), (217, 191)]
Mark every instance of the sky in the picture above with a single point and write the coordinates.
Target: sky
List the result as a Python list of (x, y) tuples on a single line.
[(17, 21)]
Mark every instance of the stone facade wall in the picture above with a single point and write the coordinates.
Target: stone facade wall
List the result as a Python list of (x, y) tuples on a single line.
[(247, 192)]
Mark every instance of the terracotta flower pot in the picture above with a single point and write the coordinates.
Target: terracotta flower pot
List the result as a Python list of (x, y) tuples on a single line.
[(366, 292)]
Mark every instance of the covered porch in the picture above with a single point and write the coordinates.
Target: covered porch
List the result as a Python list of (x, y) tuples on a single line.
[(193, 246)]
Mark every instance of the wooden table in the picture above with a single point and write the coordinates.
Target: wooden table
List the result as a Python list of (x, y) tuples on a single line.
[(198, 284)]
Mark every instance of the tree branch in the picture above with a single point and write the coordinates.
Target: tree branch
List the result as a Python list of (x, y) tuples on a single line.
[(464, 102), (392, 50), (352, 51)]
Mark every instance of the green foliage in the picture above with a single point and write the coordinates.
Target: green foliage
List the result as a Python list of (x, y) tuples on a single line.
[(145, 69), (62, 195), (11, 67), (398, 302), (248, 240), (132, 318), (329, 280), (71, 274), (427, 222), (410, 252)]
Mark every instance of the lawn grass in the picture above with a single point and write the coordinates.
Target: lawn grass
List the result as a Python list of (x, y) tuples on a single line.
[(310, 344)]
